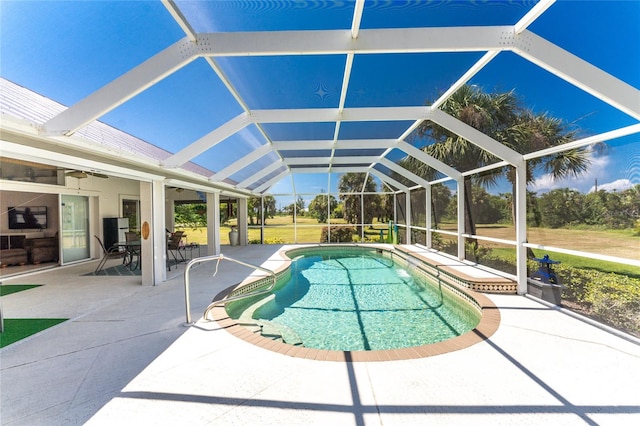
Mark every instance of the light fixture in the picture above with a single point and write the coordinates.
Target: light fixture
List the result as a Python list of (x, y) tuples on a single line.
[(78, 174)]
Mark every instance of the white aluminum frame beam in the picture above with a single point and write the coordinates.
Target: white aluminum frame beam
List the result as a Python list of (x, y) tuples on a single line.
[(329, 115), (404, 172), (294, 161), (271, 181), (377, 173), (388, 179), (369, 41), (121, 89), (185, 51), (307, 145), (327, 144), (177, 16), (578, 72), (241, 163), (208, 141), (468, 75), (475, 136), (262, 173), (534, 13), (602, 137), (357, 18), (449, 39), (428, 160)]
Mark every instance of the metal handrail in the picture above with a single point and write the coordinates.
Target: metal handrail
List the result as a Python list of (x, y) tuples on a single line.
[(225, 300)]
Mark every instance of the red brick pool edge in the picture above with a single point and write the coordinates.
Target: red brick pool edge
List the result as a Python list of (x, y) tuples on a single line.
[(487, 326)]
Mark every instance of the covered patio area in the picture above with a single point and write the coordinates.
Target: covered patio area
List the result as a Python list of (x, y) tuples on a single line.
[(125, 357)]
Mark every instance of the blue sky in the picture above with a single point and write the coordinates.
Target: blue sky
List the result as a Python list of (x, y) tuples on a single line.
[(67, 50)]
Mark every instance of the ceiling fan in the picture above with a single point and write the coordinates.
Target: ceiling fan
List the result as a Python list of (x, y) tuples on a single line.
[(81, 174)]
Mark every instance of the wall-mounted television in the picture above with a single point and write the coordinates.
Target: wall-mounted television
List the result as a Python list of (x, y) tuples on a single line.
[(27, 217)]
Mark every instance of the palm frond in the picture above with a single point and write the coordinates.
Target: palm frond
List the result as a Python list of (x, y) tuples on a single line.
[(568, 163)]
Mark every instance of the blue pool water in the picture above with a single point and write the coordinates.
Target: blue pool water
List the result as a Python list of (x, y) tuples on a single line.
[(364, 301)]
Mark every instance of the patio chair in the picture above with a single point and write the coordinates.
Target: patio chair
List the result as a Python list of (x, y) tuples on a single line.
[(110, 253), (132, 250), (174, 247)]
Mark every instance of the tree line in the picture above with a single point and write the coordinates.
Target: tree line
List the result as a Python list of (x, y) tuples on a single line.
[(558, 208), (503, 117)]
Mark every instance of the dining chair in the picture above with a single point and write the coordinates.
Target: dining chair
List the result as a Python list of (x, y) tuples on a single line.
[(132, 250), (110, 253), (173, 247)]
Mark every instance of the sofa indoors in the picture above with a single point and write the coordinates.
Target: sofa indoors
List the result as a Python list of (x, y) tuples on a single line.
[(42, 249), (12, 251), (19, 250)]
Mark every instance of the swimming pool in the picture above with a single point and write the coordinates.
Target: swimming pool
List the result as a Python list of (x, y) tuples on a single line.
[(358, 300)]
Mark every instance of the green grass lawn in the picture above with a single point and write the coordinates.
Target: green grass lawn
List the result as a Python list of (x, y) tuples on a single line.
[(599, 265), (18, 329), (14, 288), (612, 242), (578, 262), (280, 229)]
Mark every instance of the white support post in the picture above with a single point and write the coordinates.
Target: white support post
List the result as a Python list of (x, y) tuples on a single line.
[(361, 217), (429, 213), (147, 244), (262, 220), (169, 210), (159, 235), (407, 203), (243, 226), (213, 223), (328, 211), (295, 219), (520, 198), (395, 213), (460, 217)]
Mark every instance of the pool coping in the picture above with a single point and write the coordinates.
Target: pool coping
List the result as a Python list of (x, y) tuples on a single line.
[(488, 325), (495, 283)]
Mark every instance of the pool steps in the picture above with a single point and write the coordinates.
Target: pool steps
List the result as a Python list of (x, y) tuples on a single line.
[(266, 328), (273, 331), (280, 331)]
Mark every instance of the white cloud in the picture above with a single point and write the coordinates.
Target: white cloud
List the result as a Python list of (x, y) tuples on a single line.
[(598, 169), (616, 185)]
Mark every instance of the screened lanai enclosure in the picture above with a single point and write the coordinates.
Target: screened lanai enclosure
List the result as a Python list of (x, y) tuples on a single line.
[(447, 124)]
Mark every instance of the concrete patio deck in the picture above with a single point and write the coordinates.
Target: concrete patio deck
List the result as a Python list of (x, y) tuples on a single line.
[(125, 357)]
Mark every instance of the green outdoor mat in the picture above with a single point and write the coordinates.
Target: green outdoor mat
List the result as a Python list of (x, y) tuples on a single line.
[(17, 329), (14, 288)]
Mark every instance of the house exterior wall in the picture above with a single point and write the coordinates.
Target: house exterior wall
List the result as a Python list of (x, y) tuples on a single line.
[(103, 193)]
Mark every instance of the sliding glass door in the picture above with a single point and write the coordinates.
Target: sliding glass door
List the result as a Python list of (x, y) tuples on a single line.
[(75, 228)]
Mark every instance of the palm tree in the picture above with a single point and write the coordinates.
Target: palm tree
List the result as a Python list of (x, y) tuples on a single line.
[(355, 183), (536, 132), (500, 116)]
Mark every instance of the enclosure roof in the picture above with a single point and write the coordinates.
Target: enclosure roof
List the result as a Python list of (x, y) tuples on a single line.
[(267, 97)]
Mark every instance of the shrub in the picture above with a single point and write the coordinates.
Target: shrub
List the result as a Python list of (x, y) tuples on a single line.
[(274, 240), (339, 234), (610, 298), (500, 263)]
